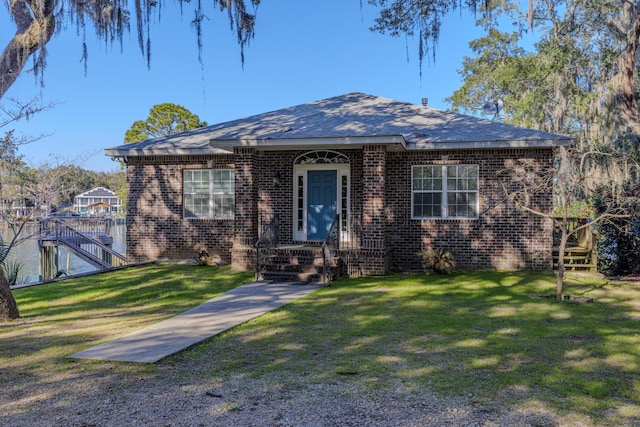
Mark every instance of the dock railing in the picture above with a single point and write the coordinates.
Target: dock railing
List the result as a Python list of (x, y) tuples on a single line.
[(88, 226), (90, 241)]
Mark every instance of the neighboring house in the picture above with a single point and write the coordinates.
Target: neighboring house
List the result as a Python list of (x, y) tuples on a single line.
[(401, 177), (18, 207), (97, 202)]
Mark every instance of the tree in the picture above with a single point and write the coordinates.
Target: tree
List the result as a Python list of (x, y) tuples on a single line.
[(423, 17), (37, 21), (523, 180), (164, 119), (576, 81), (585, 45), (8, 306), (10, 165), (112, 180), (12, 207), (121, 193), (26, 192), (532, 85), (73, 181)]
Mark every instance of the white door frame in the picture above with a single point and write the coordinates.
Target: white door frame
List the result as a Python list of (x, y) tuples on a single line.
[(300, 189)]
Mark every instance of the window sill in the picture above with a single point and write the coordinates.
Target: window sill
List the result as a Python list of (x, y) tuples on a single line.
[(206, 219), (445, 219)]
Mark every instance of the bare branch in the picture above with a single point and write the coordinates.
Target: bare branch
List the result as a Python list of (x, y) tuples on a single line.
[(22, 110)]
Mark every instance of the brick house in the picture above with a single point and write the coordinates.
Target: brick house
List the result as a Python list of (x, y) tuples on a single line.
[(374, 179)]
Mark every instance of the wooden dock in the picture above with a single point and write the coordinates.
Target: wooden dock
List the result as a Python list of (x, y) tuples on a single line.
[(88, 238)]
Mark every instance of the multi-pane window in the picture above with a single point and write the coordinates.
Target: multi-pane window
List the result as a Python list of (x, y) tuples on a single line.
[(300, 203), (444, 191), (344, 202), (208, 193)]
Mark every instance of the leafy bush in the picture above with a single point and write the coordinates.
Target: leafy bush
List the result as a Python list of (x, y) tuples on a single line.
[(619, 247), (12, 272), (439, 260), (576, 209), (618, 238)]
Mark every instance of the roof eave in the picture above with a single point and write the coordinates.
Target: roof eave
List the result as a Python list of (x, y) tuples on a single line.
[(288, 143), (132, 152), (221, 147), (469, 145)]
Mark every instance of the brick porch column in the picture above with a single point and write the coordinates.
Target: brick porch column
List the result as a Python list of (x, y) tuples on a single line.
[(246, 209), (373, 207)]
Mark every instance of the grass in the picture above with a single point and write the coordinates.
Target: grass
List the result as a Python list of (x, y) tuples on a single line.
[(61, 318), (477, 335)]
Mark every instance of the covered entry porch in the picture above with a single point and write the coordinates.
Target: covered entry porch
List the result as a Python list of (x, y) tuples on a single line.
[(338, 255), (318, 214)]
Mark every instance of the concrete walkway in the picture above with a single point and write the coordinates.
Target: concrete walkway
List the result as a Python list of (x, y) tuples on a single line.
[(191, 327)]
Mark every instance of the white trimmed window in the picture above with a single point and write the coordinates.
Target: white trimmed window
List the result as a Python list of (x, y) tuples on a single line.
[(444, 191), (208, 193)]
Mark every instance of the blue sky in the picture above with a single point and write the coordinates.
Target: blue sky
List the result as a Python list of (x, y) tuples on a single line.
[(303, 51)]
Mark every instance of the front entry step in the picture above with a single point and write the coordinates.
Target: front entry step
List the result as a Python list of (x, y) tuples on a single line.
[(305, 264)]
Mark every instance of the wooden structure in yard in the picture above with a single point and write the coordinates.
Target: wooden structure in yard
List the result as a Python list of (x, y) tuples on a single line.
[(88, 238), (581, 253)]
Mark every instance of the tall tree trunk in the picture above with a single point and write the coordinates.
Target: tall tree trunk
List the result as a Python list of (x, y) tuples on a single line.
[(625, 106), (564, 237), (8, 307), (35, 24)]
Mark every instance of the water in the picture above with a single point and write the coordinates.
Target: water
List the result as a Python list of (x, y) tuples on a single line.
[(27, 254)]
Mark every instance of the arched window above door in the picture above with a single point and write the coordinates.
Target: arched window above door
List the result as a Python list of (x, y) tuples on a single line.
[(321, 157)]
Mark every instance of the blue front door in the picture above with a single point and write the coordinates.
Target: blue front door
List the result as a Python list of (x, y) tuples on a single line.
[(321, 207)]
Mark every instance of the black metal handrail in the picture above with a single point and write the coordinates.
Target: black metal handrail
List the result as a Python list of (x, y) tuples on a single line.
[(267, 244), (351, 232), (330, 247)]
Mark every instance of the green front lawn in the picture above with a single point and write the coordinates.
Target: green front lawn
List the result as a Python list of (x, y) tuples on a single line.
[(481, 335)]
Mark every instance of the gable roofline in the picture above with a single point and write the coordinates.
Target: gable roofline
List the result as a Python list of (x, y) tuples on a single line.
[(351, 119), (98, 192)]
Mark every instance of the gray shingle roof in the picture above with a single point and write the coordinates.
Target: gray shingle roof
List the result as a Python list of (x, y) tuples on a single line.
[(354, 118), (98, 192)]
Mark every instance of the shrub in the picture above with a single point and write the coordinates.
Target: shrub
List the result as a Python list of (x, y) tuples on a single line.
[(576, 209), (618, 238), (438, 260), (202, 258), (12, 272)]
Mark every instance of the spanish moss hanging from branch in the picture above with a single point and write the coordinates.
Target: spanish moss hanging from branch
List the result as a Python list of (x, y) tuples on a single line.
[(36, 22)]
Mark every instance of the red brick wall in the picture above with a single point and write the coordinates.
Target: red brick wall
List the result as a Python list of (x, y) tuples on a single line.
[(501, 238), (374, 233), (156, 228), (246, 208), (279, 199)]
